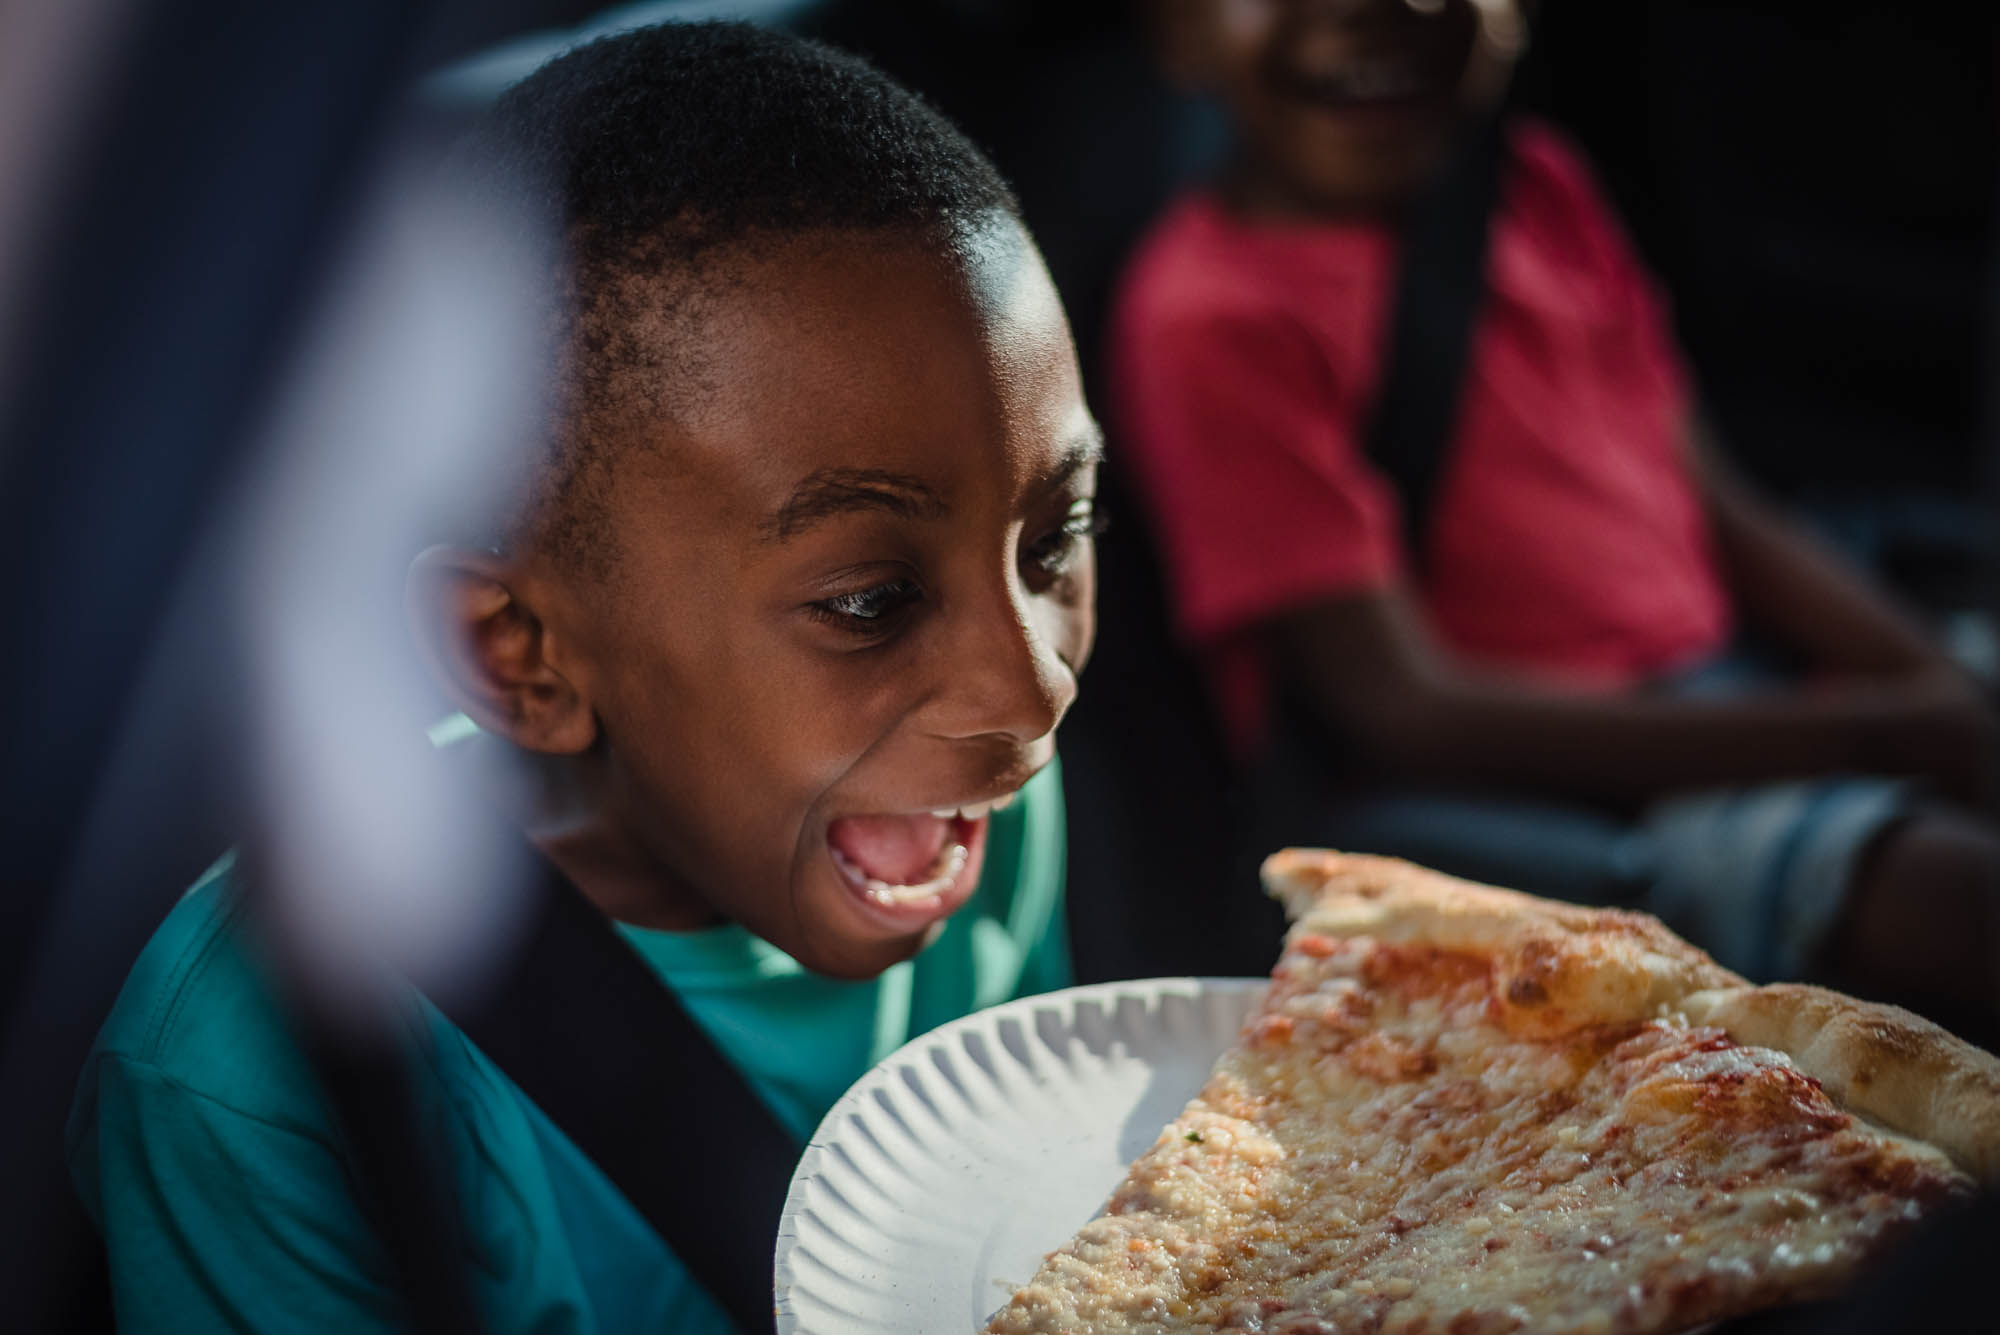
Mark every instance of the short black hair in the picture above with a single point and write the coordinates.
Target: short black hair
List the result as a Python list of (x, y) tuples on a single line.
[(654, 149)]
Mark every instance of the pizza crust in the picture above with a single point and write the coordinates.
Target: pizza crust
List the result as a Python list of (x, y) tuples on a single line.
[(1893, 1067), (1561, 967)]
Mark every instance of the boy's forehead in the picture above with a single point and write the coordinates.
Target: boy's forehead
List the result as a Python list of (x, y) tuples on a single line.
[(841, 297), (866, 351)]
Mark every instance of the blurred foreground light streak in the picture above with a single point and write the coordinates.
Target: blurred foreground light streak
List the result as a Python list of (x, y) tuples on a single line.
[(416, 398), (52, 58)]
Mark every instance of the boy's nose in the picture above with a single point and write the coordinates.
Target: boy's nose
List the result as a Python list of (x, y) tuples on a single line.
[(1005, 678)]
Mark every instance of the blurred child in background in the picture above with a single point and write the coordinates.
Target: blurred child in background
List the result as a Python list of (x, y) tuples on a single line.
[(1550, 698)]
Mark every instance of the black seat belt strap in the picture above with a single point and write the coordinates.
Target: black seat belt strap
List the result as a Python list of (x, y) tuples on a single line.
[(1440, 287), (611, 1056)]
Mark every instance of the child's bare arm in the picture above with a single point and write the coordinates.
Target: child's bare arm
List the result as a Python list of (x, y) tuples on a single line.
[(1794, 589), (1367, 665)]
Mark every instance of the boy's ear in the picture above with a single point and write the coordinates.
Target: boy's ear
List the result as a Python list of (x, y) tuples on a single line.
[(492, 653)]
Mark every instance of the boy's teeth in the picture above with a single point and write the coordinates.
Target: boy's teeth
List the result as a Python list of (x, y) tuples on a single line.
[(975, 810), (949, 866)]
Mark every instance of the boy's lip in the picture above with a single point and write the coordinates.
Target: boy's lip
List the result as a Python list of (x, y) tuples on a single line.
[(975, 806), (978, 807), (1340, 95)]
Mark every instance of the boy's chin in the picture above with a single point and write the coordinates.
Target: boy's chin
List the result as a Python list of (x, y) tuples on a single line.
[(1374, 187), (860, 961)]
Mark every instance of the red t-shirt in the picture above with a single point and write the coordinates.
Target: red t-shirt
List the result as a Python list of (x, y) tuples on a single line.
[(1569, 541)]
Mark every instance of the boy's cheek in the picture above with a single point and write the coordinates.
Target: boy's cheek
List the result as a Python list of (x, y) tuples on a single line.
[(1075, 631)]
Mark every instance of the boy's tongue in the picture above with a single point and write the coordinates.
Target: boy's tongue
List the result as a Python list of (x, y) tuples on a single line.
[(897, 850)]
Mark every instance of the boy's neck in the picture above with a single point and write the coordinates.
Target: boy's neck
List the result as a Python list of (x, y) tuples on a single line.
[(1251, 190), (621, 879), (552, 801)]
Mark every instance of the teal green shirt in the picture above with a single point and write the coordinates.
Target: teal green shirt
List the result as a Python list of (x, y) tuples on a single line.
[(201, 1145)]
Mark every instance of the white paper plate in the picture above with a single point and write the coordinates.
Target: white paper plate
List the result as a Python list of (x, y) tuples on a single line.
[(935, 1186)]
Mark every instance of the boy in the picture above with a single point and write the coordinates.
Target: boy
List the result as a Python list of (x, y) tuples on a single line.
[(779, 640), (1524, 711)]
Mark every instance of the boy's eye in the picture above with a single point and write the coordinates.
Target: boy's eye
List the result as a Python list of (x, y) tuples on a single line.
[(1055, 551), (868, 611)]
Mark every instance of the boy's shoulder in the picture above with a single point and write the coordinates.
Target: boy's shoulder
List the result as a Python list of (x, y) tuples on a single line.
[(1547, 150), (1554, 197), (198, 1012), (1199, 264), (1200, 273)]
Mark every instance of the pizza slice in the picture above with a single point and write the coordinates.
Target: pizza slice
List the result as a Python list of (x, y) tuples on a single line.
[(1465, 1110)]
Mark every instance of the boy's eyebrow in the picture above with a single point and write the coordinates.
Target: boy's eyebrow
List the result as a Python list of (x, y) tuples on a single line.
[(1085, 448), (833, 491)]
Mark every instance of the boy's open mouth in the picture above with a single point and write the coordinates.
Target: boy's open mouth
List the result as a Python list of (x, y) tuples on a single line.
[(909, 861), (1365, 84)]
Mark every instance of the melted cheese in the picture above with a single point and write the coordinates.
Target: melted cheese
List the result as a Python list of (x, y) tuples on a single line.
[(1379, 1153)]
